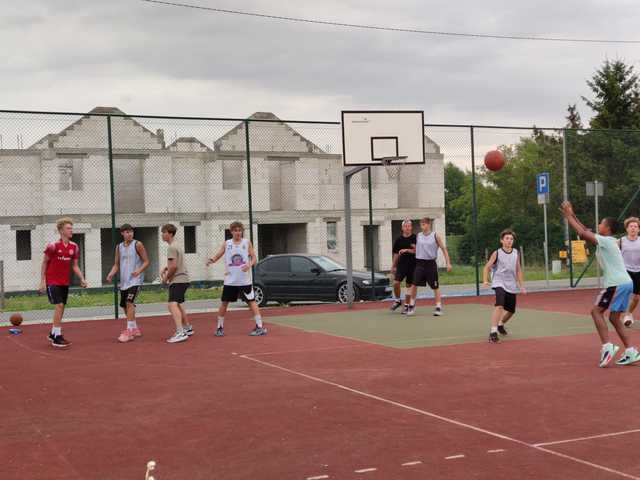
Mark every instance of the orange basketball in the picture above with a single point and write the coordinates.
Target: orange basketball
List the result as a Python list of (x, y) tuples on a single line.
[(494, 160), (15, 319)]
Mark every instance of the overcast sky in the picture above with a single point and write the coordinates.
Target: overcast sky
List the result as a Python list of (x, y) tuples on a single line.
[(151, 59)]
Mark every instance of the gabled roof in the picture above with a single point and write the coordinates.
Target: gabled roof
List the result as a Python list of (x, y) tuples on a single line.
[(188, 140), (51, 138), (311, 147)]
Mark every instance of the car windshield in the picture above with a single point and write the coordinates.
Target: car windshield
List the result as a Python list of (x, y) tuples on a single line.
[(327, 263)]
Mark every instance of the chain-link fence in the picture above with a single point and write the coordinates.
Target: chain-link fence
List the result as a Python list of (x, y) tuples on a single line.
[(284, 179)]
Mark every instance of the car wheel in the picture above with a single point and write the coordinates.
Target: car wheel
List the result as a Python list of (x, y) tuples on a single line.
[(261, 296), (342, 295)]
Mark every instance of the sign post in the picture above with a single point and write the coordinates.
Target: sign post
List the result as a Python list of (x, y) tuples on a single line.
[(542, 188), (596, 189)]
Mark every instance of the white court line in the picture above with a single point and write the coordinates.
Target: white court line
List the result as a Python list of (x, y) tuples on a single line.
[(452, 457), (410, 464), (593, 437), (441, 418), (497, 450), (365, 470), (319, 477)]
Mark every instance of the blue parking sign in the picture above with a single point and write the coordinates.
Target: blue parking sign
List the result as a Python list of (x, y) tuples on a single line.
[(542, 183)]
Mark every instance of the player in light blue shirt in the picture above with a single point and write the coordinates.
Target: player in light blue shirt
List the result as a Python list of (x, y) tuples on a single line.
[(618, 287)]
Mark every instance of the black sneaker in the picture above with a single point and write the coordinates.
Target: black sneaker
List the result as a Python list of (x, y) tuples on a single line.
[(219, 332), (502, 330), (59, 342), (493, 337), (396, 304), (51, 337), (438, 312), (405, 309)]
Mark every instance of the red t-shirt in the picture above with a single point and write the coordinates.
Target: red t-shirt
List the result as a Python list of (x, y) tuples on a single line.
[(60, 257)]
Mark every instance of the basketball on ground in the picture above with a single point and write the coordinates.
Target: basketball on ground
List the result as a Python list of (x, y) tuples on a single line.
[(16, 319), (494, 160)]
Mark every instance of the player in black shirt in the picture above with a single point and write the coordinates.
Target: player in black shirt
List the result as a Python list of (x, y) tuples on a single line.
[(404, 263)]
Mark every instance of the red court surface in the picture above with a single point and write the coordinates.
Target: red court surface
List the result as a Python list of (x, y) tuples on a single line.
[(302, 405)]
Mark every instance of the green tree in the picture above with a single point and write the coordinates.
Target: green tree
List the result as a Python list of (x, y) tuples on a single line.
[(573, 117), (616, 93), (454, 187)]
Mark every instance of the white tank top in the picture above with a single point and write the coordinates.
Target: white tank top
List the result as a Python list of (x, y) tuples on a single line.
[(426, 246), (505, 271), (129, 262), (631, 253), (236, 255)]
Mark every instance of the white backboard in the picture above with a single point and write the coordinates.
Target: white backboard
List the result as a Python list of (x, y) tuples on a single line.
[(367, 136)]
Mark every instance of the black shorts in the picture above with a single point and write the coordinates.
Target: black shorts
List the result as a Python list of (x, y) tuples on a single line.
[(230, 293), (506, 300), (426, 273), (635, 277), (58, 294), (405, 272), (177, 291), (129, 295)]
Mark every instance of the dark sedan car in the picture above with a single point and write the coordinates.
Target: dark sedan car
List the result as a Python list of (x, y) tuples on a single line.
[(289, 277)]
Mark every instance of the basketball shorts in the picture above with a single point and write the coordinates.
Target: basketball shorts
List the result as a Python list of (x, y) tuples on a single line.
[(129, 295), (615, 299), (405, 272), (58, 294), (635, 277), (426, 273), (504, 299), (231, 293), (177, 292)]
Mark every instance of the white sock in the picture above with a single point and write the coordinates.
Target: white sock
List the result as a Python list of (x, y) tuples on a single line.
[(494, 329), (413, 302), (396, 299), (56, 331), (131, 324), (180, 331), (630, 350), (439, 304), (258, 321), (500, 324), (605, 345), (220, 322)]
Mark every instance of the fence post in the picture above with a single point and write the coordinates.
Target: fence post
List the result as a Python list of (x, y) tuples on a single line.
[(114, 238), (2, 304), (565, 197), (250, 203), (475, 211), (371, 251)]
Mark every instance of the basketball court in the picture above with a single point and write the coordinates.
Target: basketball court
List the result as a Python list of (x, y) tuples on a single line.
[(329, 393)]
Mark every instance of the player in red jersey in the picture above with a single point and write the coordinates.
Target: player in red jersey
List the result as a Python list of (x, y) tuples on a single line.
[(60, 258)]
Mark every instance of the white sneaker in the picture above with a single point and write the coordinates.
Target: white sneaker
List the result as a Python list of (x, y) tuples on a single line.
[(438, 312), (607, 354), (178, 337), (411, 311), (627, 320)]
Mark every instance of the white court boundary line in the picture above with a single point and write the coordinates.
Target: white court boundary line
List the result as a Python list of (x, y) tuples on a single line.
[(440, 417), (592, 437)]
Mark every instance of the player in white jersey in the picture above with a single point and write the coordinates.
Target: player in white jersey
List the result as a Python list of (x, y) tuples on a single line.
[(426, 272), (239, 258), (630, 247), (131, 260), (506, 280)]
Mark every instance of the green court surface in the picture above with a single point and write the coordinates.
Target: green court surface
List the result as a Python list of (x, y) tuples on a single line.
[(460, 324)]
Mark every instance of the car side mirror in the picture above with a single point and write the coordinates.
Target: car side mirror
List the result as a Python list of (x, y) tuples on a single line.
[(316, 270)]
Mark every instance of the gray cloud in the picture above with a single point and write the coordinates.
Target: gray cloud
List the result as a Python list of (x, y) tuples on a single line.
[(73, 55)]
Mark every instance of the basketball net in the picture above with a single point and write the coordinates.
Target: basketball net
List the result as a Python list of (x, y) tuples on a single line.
[(393, 166)]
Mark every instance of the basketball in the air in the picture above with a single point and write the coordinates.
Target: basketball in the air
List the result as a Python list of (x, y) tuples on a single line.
[(16, 319), (494, 160)]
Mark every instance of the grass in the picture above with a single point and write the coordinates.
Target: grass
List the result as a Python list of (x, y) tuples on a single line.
[(461, 274), (22, 303)]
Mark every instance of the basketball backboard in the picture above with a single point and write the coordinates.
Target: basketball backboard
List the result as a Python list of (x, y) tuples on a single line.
[(368, 137)]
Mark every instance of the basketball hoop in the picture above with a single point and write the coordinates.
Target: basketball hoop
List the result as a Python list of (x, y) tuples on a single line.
[(393, 165)]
